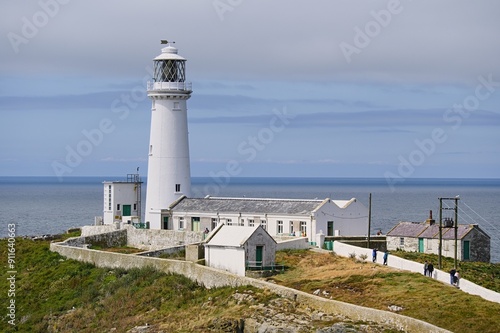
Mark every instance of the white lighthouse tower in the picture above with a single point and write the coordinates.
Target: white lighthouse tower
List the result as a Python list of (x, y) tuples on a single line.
[(169, 175)]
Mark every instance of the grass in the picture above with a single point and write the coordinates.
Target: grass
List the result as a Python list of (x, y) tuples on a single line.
[(480, 273), (377, 286)]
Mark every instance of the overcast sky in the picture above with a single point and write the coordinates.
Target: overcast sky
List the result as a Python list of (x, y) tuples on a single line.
[(392, 89)]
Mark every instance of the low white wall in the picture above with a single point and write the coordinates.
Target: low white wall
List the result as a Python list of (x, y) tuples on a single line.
[(400, 263), (299, 243)]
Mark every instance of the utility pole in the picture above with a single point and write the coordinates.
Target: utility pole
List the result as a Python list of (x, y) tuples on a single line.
[(369, 217), (440, 231), (455, 226)]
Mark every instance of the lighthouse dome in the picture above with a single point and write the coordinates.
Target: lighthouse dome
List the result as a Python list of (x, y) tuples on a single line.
[(169, 53)]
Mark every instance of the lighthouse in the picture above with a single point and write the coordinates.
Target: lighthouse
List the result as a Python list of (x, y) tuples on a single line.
[(169, 175)]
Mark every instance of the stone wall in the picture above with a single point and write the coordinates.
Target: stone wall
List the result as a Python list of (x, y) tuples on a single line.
[(90, 230), (155, 239), (210, 278), (110, 239)]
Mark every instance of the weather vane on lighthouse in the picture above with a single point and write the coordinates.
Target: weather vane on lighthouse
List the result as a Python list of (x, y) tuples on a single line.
[(164, 41)]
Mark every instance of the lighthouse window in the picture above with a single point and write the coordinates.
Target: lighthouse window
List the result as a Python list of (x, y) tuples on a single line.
[(177, 187), (150, 149), (117, 206), (176, 106)]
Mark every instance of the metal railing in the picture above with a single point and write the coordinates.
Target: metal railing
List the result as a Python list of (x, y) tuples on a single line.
[(257, 266), (176, 86)]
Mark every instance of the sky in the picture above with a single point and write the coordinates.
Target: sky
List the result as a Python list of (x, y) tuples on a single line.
[(389, 89)]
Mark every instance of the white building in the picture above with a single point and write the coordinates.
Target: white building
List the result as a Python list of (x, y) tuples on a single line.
[(280, 217), (169, 175), (122, 200), (234, 248)]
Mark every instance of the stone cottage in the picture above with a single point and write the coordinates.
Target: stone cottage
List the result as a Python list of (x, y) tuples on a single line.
[(473, 244)]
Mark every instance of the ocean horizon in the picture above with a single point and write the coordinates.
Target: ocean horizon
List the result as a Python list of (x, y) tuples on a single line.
[(45, 205)]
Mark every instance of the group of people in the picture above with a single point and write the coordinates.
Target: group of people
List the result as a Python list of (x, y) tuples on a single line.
[(454, 274), (374, 256), (454, 277), (428, 268)]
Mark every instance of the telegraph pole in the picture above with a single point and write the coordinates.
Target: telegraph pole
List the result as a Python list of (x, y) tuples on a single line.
[(455, 226), (369, 217)]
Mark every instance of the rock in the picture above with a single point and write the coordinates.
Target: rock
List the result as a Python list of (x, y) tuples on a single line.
[(316, 292), (395, 308)]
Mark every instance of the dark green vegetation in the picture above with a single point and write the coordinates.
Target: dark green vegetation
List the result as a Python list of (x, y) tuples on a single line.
[(483, 274), (376, 286)]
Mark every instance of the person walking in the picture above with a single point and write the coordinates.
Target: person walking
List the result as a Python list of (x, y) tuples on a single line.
[(374, 255), (457, 279), (386, 254), (430, 269), (452, 276), (426, 267)]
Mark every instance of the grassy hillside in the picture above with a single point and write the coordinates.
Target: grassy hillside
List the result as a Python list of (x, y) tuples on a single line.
[(377, 286), (54, 294)]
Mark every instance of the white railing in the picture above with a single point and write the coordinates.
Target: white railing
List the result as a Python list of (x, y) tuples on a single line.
[(182, 86)]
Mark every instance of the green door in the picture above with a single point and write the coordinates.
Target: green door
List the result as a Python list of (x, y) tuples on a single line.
[(165, 222), (258, 255), (466, 250), (329, 228), (195, 224), (420, 245), (126, 210)]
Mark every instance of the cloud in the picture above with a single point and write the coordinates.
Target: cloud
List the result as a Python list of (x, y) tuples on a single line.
[(387, 120)]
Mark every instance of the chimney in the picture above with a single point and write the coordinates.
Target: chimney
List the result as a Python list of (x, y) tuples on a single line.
[(430, 220)]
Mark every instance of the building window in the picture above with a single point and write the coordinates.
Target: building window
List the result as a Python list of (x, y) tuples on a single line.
[(263, 223), (214, 223), (280, 227), (229, 221), (109, 188), (303, 227), (402, 241), (181, 223), (176, 106), (291, 228), (251, 222), (118, 207), (135, 207), (150, 149), (242, 222), (177, 187)]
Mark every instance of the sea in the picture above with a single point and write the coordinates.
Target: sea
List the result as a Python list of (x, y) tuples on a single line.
[(48, 205)]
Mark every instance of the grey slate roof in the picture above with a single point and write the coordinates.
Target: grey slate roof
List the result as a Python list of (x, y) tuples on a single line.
[(424, 230), (247, 205)]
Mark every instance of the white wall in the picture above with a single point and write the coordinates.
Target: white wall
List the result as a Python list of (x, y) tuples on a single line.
[(226, 258), (350, 221)]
